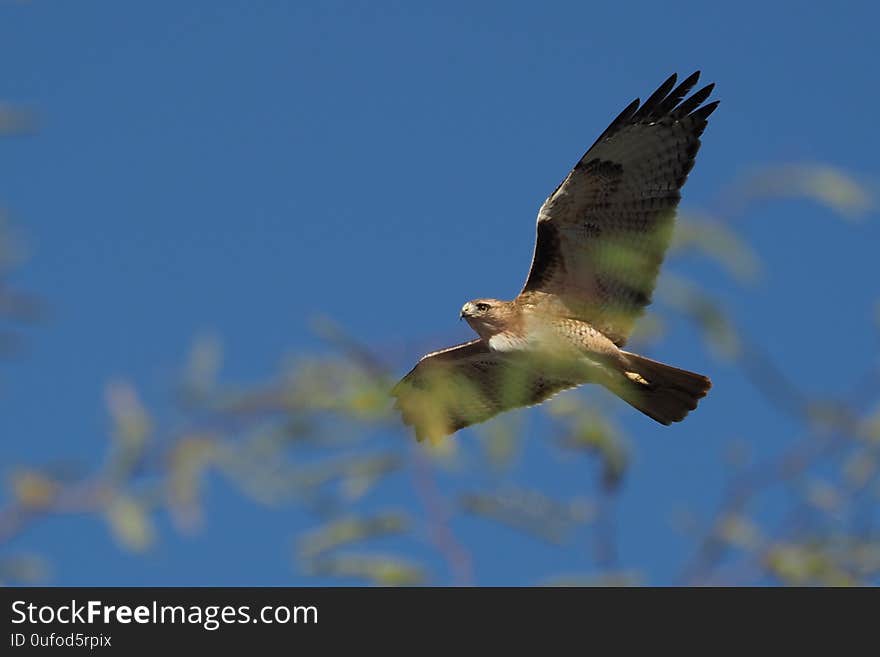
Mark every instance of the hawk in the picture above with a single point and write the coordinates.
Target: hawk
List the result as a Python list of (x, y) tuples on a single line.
[(601, 238)]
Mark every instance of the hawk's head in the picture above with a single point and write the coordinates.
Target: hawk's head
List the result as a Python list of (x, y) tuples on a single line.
[(489, 316)]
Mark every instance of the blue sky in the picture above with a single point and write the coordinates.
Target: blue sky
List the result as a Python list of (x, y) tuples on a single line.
[(240, 168)]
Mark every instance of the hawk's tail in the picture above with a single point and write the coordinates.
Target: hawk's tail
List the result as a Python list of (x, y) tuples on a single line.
[(663, 393)]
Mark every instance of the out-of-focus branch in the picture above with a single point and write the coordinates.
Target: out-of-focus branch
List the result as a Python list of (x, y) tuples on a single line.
[(320, 435), (438, 521)]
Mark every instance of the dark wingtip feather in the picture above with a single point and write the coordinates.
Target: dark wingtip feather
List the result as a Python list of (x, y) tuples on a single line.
[(665, 103), (677, 94), (689, 82), (625, 117), (693, 102), (703, 113), (656, 98)]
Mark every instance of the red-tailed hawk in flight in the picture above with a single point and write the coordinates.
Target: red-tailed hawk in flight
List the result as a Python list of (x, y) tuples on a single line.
[(601, 238)]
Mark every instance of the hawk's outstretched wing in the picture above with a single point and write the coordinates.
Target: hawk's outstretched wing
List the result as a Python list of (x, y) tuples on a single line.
[(602, 234), (467, 384)]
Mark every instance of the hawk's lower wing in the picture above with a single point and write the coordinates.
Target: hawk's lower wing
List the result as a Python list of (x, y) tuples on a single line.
[(467, 384)]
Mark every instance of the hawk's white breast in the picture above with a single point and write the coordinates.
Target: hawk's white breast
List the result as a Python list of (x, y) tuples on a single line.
[(507, 341)]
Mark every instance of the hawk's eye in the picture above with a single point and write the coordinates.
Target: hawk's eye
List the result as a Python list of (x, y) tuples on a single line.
[(482, 307)]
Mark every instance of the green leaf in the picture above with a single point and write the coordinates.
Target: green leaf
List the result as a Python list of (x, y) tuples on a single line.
[(130, 524), (349, 529)]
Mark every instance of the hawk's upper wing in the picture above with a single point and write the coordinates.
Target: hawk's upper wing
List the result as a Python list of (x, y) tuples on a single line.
[(603, 232), (466, 384)]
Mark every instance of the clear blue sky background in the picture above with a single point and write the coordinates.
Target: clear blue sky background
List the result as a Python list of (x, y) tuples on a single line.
[(242, 167)]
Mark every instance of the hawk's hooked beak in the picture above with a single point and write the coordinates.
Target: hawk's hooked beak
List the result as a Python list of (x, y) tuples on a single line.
[(465, 311)]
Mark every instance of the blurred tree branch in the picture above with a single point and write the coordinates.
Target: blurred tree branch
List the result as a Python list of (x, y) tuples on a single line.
[(321, 435)]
